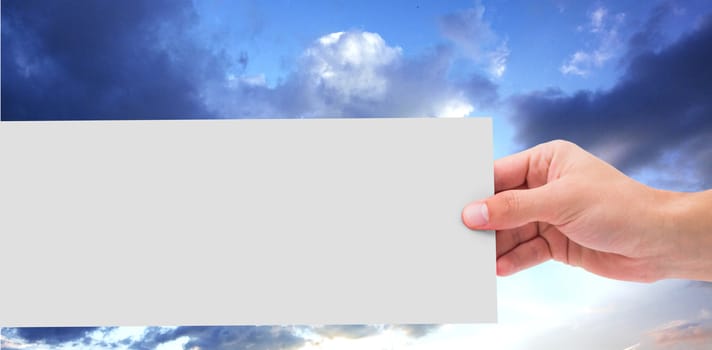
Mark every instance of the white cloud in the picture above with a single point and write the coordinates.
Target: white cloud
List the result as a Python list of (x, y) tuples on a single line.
[(474, 36), (455, 108), (575, 63), (13, 343), (253, 80), (605, 30), (597, 17), (351, 64), (357, 74), (498, 60)]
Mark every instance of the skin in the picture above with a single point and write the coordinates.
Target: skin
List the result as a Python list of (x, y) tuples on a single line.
[(557, 201)]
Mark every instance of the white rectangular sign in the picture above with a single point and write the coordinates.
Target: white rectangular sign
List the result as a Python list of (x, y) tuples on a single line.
[(232, 222)]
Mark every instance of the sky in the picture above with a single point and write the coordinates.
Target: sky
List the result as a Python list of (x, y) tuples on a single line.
[(627, 80)]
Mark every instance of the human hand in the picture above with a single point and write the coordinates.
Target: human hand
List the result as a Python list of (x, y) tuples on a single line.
[(557, 201)]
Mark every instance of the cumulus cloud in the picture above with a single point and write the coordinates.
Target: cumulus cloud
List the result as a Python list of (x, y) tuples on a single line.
[(357, 74), (605, 28), (658, 116), (351, 64), (474, 35)]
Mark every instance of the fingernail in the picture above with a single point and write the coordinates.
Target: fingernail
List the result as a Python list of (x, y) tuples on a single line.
[(475, 214)]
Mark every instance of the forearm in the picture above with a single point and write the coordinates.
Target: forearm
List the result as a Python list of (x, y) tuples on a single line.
[(689, 225)]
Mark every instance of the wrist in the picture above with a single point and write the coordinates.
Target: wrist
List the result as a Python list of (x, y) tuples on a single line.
[(686, 221)]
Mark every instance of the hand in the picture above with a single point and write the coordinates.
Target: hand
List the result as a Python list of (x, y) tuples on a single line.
[(557, 201)]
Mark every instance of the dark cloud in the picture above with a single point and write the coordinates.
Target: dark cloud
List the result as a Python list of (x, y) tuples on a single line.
[(104, 59), (223, 337), (50, 335), (651, 36), (658, 114)]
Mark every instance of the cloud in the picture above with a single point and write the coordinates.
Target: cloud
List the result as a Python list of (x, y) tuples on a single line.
[(363, 331), (222, 337), (416, 330), (351, 64), (264, 337), (199, 337), (682, 334), (469, 31), (347, 331), (651, 36), (105, 60), (357, 74), (146, 61), (658, 116), (189, 337), (48, 335), (667, 315), (9, 344), (604, 27), (597, 17)]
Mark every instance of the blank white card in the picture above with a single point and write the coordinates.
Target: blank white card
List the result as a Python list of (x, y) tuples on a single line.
[(244, 222)]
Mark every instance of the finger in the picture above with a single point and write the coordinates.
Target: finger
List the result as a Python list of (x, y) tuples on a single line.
[(511, 171), (517, 170), (509, 239), (558, 243), (516, 208), (513, 208), (525, 255)]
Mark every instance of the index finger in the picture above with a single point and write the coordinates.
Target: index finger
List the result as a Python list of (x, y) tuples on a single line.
[(513, 171)]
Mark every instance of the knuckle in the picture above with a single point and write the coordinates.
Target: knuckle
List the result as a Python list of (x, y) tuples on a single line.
[(560, 143)]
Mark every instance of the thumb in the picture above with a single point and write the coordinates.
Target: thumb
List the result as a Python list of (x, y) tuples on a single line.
[(510, 209)]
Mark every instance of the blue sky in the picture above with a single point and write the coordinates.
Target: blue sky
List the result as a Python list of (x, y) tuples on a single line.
[(628, 80)]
